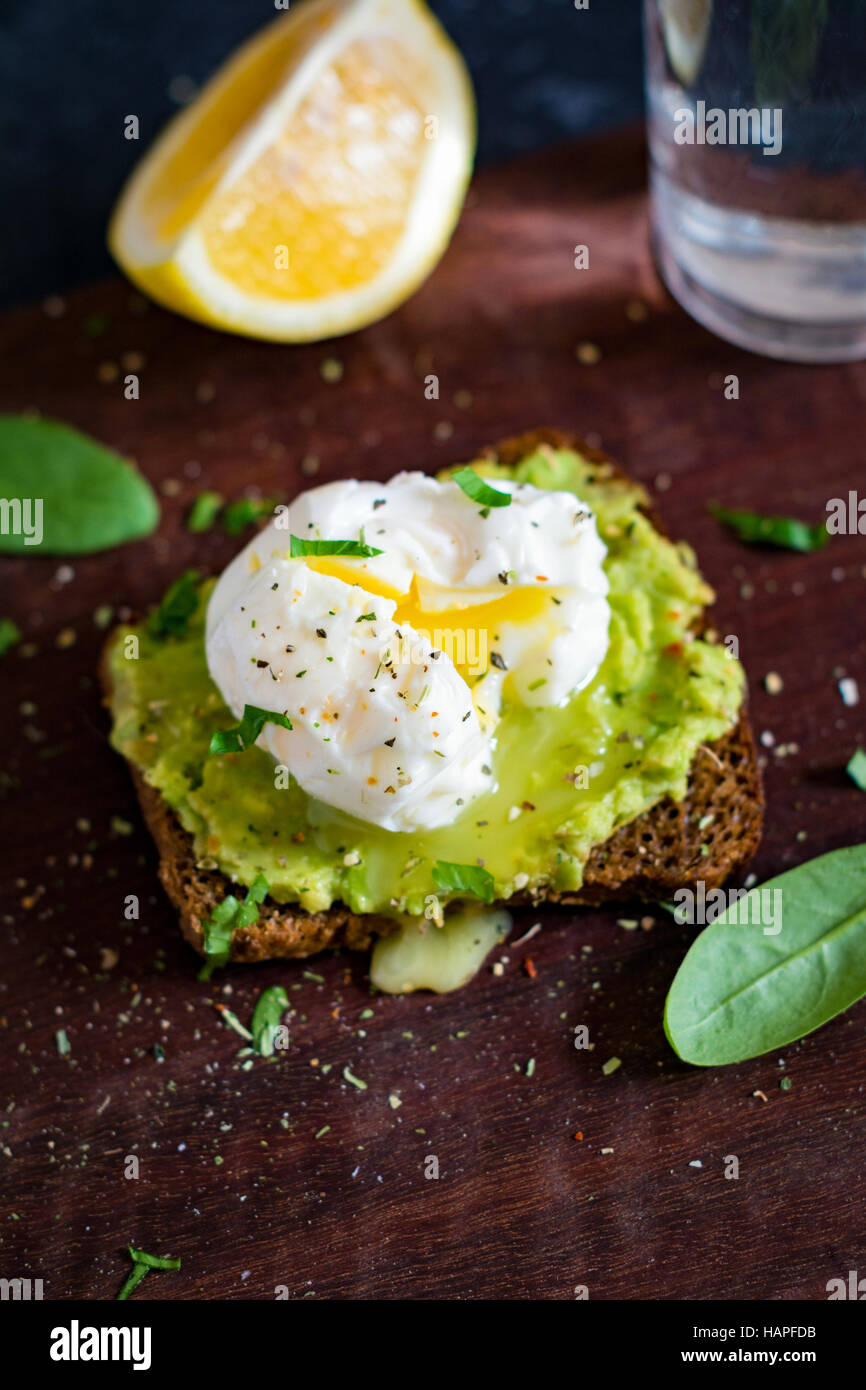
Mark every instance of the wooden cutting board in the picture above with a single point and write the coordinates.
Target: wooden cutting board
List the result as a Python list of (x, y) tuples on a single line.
[(286, 1174)]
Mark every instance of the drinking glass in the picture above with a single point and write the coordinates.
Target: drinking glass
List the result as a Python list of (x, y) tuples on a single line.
[(756, 116)]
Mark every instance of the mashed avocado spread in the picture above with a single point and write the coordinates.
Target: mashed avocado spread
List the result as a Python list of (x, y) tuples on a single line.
[(567, 777)]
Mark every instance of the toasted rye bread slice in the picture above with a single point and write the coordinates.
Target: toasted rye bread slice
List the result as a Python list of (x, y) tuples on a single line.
[(672, 845)]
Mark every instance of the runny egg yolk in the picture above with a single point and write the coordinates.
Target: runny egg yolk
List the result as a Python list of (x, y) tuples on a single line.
[(467, 631)]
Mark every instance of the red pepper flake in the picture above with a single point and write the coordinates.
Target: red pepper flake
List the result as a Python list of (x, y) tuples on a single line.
[(579, 1135), (529, 967)]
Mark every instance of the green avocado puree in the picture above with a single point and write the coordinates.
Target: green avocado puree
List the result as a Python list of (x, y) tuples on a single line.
[(566, 777)]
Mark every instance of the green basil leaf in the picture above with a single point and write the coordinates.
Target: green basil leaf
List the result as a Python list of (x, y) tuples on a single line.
[(463, 878), (140, 1257), (244, 734), (203, 512), (741, 992), (784, 531), (298, 547), (270, 1007), (177, 607), (65, 494), (857, 769), (242, 513), (476, 488), (10, 634)]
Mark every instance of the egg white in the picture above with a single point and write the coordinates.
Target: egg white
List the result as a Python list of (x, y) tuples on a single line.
[(384, 725)]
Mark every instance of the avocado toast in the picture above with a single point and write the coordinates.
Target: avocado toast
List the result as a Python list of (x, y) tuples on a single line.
[(645, 781)]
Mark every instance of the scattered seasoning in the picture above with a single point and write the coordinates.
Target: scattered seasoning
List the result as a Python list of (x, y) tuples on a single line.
[(320, 1133), (588, 354), (64, 1047), (530, 1067), (850, 691), (529, 967), (773, 683), (233, 1022), (354, 1080), (759, 1095), (331, 369), (785, 1084), (611, 1065), (311, 975), (394, 1101)]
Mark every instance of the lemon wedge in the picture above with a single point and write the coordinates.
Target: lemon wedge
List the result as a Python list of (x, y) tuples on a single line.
[(315, 181)]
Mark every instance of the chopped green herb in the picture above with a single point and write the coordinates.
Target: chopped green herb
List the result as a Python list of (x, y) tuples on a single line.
[(153, 1261), (783, 531), (270, 1007), (227, 917), (177, 607), (142, 1262), (299, 547), (476, 488), (463, 878), (132, 1283), (10, 634), (857, 769), (237, 516), (64, 1047), (244, 734), (204, 511)]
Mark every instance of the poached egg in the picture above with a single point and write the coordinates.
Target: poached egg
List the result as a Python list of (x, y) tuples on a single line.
[(394, 668)]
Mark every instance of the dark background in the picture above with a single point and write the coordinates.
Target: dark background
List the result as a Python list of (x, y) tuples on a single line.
[(70, 72)]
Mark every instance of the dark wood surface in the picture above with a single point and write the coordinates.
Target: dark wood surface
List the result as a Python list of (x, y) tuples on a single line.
[(231, 1176)]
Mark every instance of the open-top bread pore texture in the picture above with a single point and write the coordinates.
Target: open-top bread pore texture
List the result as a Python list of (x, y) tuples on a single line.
[(678, 800)]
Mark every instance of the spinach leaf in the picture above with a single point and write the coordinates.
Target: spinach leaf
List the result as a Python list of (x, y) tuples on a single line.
[(244, 734), (298, 547), (65, 494), (784, 531), (177, 606), (270, 1007), (741, 992), (475, 487), (463, 878)]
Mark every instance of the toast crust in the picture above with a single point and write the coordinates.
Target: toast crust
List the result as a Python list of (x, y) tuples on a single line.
[(709, 835)]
